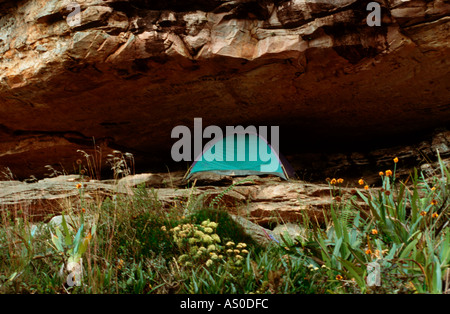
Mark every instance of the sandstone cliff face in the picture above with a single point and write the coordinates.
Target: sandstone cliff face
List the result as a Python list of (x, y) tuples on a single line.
[(132, 70)]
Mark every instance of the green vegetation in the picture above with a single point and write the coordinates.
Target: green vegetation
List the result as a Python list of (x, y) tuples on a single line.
[(398, 242)]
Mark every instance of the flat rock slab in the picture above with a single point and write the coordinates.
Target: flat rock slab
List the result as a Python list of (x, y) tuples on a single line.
[(263, 203)]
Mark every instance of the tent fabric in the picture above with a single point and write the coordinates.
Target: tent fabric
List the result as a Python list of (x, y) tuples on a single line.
[(241, 154)]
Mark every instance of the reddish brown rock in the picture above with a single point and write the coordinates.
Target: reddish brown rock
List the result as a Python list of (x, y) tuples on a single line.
[(132, 70)]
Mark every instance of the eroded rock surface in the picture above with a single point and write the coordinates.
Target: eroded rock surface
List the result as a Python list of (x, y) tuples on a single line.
[(132, 70)]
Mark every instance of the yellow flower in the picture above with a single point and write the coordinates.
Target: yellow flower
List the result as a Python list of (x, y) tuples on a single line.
[(423, 213), (381, 173), (333, 181), (78, 186), (388, 173), (435, 215), (396, 160), (120, 264), (361, 181), (340, 180), (374, 231), (434, 202), (433, 188), (339, 277), (366, 187), (215, 237), (163, 228)]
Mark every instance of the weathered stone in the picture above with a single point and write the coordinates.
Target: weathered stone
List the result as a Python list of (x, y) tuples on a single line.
[(131, 71)]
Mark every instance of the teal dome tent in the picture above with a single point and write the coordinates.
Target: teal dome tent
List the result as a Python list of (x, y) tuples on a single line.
[(241, 154)]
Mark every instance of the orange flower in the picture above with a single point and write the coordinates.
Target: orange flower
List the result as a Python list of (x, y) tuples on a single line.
[(434, 202), (381, 173), (333, 181), (368, 252), (388, 173), (89, 236), (374, 231), (361, 181), (366, 187), (396, 160), (435, 215), (83, 210), (79, 186), (433, 188), (340, 180), (339, 277), (423, 213)]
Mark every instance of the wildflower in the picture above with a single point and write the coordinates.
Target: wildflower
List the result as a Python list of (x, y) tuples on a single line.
[(434, 202), (215, 237), (374, 231), (366, 187), (340, 180), (78, 186), (333, 181), (361, 181), (237, 251), (368, 251), (244, 251), (238, 257), (89, 236), (212, 225), (388, 173), (396, 160), (423, 213), (339, 277), (211, 247), (207, 239), (241, 245), (381, 173), (163, 228), (387, 193), (120, 263), (214, 256), (192, 240), (327, 179), (435, 215), (208, 230), (230, 243), (198, 234), (229, 251), (83, 210), (433, 188)]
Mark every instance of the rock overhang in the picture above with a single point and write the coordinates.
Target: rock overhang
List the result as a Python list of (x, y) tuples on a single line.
[(133, 70)]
